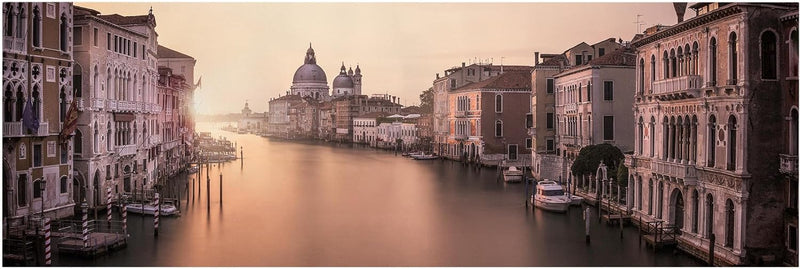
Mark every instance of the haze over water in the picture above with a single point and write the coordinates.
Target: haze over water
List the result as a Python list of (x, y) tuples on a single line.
[(315, 204)]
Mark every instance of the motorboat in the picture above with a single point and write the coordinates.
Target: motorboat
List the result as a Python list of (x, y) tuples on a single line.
[(550, 196), (411, 154), (512, 175), (167, 209), (575, 200), (422, 157)]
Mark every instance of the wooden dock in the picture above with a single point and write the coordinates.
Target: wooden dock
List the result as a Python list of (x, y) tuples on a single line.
[(614, 219), (98, 243)]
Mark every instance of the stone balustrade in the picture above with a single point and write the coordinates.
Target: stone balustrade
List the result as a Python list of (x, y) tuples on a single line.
[(788, 164), (683, 86), (684, 171)]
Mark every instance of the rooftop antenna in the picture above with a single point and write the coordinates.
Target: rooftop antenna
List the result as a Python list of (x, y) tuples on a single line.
[(501, 64), (638, 24)]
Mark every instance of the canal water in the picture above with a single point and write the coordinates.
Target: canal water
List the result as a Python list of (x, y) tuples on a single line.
[(319, 204)]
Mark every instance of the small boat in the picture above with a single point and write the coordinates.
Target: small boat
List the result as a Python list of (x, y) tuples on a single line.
[(422, 157), (512, 175), (550, 196), (411, 154), (167, 209), (192, 170)]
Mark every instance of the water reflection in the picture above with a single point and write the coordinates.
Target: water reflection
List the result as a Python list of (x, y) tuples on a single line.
[(313, 204)]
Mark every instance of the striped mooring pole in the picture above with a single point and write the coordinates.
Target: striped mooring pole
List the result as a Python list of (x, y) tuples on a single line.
[(85, 219), (108, 206), (124, 219), (155, 216), (47, 256)]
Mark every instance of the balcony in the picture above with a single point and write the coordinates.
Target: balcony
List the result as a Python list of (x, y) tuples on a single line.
[(112, 104), (98, 104), (571, 107), (153, 140), (678, 88), (15, 129), (169, 145), (126, 105), (686, 172), (13, 43), (81, 106), (126, 150), (789, 164)]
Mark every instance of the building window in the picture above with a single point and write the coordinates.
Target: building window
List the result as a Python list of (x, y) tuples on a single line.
[(639, 191), (38, 188), (108, 40), (732, 143), (589, 91), (78, 142), (9, 19), (652, 196), (608, 90), (134, 48), (37, 101), (452, 83), (498, 128), (62, 105), (660, 199), (641, 76), (63, 154), (512, 152), (793, 54), (665, 61), (37, 155), (22, 190), (578, 59), (37, 27), (712, 130), (652, 137), (63, 185), (712, 62), (528, 120), (608, 127), (709, 215), (550, 85), (652, 67), (732, 59), (640, 136), (768, 55), (601, 52), (729, 219), (695, 208), (550, 120), (791, 241), (94, 37), (78, 36), (528, 143), (550, 144), (498, 103), (63, 32), (8, 104)]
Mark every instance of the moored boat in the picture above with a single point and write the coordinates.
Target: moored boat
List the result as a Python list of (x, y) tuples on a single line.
[(550, 196), (512, 175), (167, 209), (424, 157)]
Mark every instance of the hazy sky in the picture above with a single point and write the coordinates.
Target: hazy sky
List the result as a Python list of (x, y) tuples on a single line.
[(250, 51)]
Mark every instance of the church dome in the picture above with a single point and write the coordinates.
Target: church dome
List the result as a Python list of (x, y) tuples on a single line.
[(343, 80), (310, 72)]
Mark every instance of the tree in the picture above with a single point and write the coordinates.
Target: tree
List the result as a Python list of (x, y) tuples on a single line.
[(589, 159), (622, 175), (426, 100)]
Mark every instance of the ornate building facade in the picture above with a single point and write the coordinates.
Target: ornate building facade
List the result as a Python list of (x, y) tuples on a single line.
[(705, 158)]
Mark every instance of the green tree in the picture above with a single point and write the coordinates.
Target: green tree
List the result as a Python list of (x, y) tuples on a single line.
[(426, 100), (622, 175), (589, 159)]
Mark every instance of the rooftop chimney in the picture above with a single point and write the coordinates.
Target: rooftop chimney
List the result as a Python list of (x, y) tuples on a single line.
[(536, 56), (680, 9), (463, 64), (437, 75)]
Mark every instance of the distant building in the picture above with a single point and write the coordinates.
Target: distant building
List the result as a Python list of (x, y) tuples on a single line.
[(365, 128), (309, 79), (283, 121), (251, 122), (347, 82), (709, 106)]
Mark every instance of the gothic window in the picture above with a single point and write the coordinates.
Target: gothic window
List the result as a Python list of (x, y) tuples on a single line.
[(712, 62), (729, 222), (641, 76), (652, 196), (652, 136), (696, 53), (20, 21), (96, 140), (793, 135), (640, 144), (732, 143), (793, 54), (109, 144), (712, 131), (78, 142), (673, 63), (37, 101), (77, 81), (639, 191), (62, 105), (652, 68), (20, 102), (8, 105), (732, 59), (660, 198), (680, 62), (38, 188), (63, 185), (498, 128), (695, 208), (768, 55), (709, 215), (498, 103), (9, 20), (22, 190)]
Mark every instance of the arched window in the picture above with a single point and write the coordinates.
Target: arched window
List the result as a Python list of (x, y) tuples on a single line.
[(793, 54), (8, 104), (696, 53), (641, 76), (63, 32), (96, 83), (63, 184), (37, 27), (109, 85), (96, 140), (641, 136), (639, 191), (498, 128), (135, 134), (78, 142), (712, 131), (22, 190), (37, 103), (9, 19), (732, 59), (652, 68), (768, 55), (673, 63), (732, 143), (712, 62), (666, 64), (498, 103), (709, 215), (652, 196), (77, 81), (695, 207), (38, 188), (660, 198), (652, 136), (665, 138), (109, 144), (793, 136), (729, 222), (62, 105), (688, 62), (20, 102), (681, 63), (21, 21)]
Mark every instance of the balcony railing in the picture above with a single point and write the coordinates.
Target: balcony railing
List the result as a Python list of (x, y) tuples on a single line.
[(80, 104), (112, 104), (683, 171), (169, 145), (678, 88), (571, 107), (788, 164), (126, 150), (15, 129), (126, 105)]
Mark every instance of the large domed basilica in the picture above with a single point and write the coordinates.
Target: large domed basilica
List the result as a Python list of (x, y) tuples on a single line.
[(310, 80)]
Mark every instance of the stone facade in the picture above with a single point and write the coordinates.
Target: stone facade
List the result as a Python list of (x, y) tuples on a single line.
[(706, 117)]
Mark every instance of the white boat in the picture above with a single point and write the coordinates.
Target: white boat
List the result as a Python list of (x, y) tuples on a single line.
[(550, 196), (424, 157), (512, 175), (411, 154), (167, 209)]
